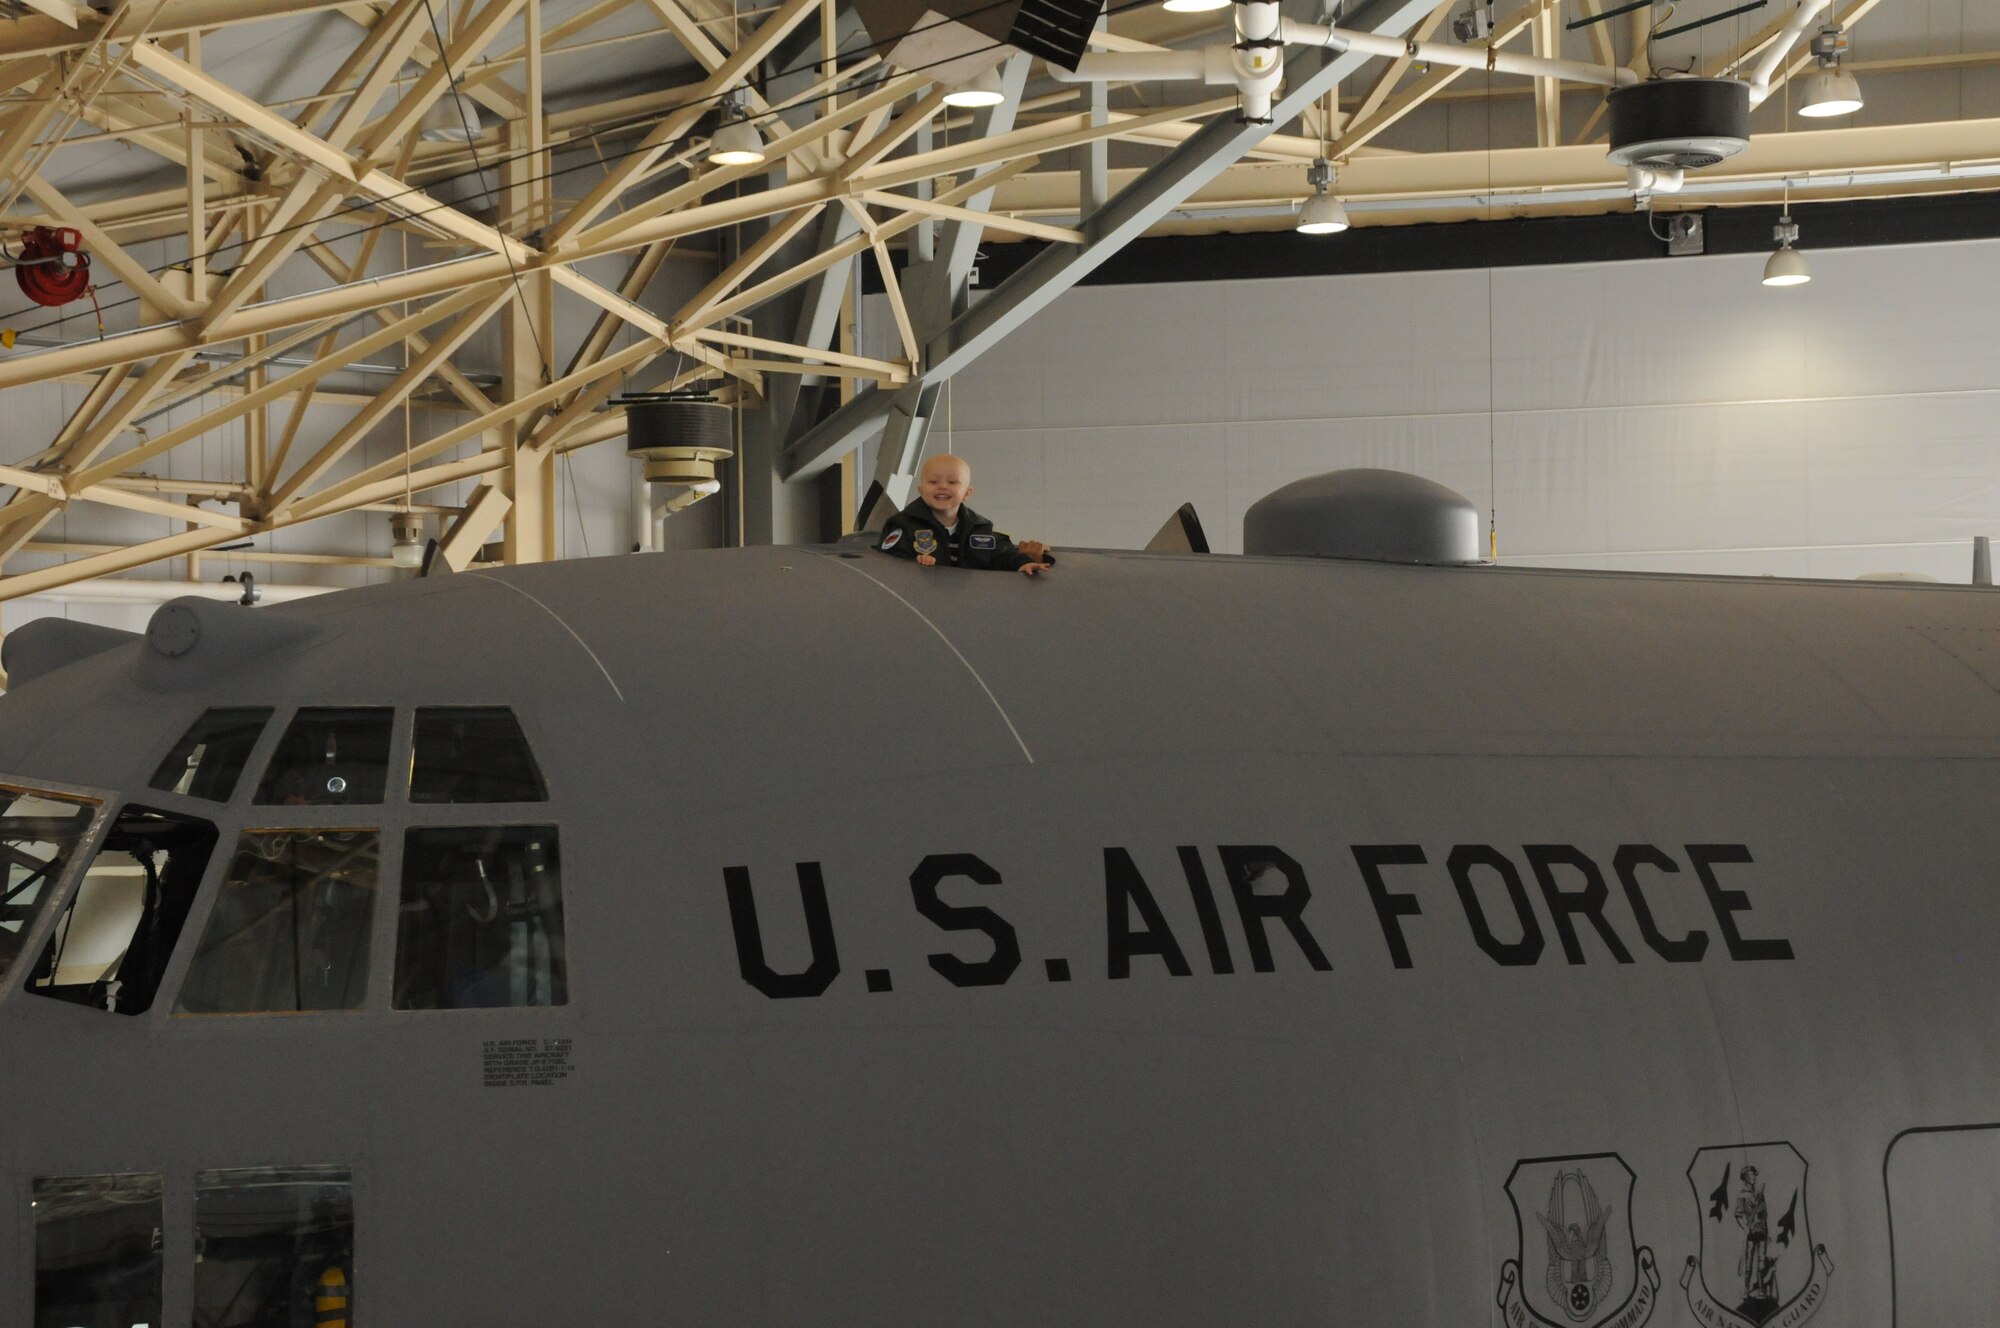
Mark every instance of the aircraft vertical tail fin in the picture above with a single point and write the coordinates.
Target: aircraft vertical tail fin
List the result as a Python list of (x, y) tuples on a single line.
[(1181, 534)]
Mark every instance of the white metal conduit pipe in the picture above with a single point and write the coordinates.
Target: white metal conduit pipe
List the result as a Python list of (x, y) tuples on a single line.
[(1781, 46), (1463, 57), (1257, 71), (1208, 64), (1258, 58), (1254, 66)]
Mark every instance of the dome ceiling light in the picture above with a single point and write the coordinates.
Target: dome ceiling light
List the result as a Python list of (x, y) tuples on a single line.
[(1830, 90), (1321, 213), (737, 142), (1786, 267)]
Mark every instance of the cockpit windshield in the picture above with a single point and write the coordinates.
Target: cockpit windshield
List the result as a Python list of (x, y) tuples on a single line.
[(39, 835)]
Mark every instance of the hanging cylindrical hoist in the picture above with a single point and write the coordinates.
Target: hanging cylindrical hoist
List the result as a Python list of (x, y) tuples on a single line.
[(52, 268)]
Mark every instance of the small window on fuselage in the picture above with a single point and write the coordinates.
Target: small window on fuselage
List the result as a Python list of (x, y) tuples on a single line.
[(99, 1252), (273, 1245), (210, 756), (110, 947), (472, 754), (289, 930), (330, 757), (481, 922)]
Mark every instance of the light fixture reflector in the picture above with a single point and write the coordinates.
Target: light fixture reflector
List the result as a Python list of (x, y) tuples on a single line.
[(983, 90), (1786, 267), (1831, 90), (452, 118), (736, 143), (1322, 214), (407, 539)]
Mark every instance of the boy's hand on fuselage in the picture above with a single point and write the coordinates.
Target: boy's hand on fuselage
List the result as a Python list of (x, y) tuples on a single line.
[(926, 560), (1034, 549), (1030, 569)]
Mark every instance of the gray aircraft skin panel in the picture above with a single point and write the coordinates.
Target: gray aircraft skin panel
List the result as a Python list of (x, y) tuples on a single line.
[(1272, 1002)]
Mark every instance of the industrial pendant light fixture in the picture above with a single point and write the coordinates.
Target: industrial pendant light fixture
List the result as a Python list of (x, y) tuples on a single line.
[(737, 142), (406, 531), (1321, 214), (1830, 90), (983, 90), (452, 118), (1787, 266), (1193, 6)]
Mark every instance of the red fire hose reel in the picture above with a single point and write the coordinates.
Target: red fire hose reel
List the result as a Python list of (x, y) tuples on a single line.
[(53, 269)]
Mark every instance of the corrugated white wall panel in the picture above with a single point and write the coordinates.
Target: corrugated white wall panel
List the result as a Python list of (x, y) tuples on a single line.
[(1673, 415)]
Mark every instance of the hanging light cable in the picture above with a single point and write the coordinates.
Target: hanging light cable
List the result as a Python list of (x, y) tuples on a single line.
[(1786, 267), (737, 142), (1321, 213)]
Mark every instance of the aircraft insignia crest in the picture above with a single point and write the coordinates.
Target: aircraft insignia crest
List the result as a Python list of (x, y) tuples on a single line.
[(926, 541), (892, 539), (1757, 1259), (1579, 1264)]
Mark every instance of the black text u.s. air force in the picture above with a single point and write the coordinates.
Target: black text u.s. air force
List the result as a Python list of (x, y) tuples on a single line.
[(1413, 892)]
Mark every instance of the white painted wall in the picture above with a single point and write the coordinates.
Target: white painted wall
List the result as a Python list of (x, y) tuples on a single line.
[(1671, 415)]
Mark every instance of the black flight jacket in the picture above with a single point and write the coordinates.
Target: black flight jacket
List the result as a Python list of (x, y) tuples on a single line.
[(976, 544)]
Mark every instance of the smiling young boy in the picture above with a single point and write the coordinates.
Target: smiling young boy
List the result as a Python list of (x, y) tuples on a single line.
[(938, 527)]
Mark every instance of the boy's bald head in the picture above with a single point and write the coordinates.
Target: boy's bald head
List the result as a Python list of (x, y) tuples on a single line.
[(944, 484), (947, 461)]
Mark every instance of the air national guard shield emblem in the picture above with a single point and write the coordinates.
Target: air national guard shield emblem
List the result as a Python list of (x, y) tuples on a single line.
[(1758, 1263), (1580, 1266)]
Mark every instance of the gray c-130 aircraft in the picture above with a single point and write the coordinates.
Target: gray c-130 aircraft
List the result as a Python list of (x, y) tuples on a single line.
[(799, 936)]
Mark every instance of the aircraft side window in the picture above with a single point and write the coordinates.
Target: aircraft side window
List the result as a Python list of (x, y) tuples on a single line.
[(330, 757), (39, 835), (472, 754), (273, 1245), (290, 927), (481, 922), (111, 944), (209, 758), (98, 1250)]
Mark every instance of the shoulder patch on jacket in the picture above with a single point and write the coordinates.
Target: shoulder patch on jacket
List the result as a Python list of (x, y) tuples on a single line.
[(891, 540), (926, 541), (985, 542)]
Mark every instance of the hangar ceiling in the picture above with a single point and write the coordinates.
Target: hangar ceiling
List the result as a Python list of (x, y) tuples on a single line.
[(294, 257)]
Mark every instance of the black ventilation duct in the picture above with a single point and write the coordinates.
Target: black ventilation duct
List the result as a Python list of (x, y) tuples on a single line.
[(1679, 123), (952, 40), (656, 420), (1057, 31)]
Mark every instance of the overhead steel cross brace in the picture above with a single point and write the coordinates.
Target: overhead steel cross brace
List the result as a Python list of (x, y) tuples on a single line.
[(1164, 187)]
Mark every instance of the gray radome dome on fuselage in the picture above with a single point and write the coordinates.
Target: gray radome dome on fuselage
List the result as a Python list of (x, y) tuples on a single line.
[(1376, 515)]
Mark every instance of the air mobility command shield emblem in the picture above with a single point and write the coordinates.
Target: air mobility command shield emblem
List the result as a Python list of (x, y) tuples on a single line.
[(1579, 1265), (1758, 1263), (926, 542)]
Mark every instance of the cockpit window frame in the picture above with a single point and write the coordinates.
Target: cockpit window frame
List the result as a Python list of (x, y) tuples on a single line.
[(395, 757), (105, 805), (259, 747), (535, 766), (505, 818), (391, 819)]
